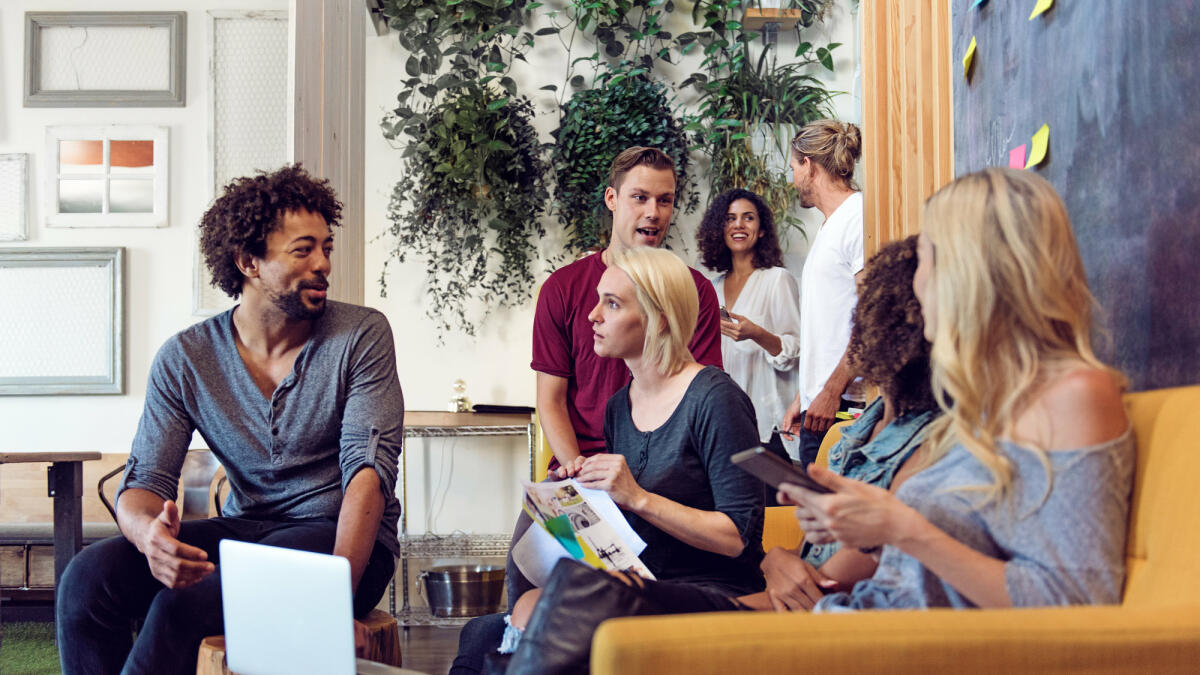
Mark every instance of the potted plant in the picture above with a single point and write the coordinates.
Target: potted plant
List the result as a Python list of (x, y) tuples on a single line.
[(469, 202)]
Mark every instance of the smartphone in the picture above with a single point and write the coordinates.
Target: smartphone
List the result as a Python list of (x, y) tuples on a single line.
[(774, 470), (725, 315)]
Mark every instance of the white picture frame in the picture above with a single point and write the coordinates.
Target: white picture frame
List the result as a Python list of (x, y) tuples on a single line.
[(106, 66), (14, 197), (247, 115), (63, 331), (105, 176)]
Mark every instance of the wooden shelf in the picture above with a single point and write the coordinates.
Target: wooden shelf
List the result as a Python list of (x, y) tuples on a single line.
[(757, 19), (438, 418)]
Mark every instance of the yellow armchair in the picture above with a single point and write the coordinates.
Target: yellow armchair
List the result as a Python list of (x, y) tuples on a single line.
[(1155, 629)]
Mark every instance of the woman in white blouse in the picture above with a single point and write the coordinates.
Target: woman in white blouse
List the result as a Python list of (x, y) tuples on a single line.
[(760, 336)]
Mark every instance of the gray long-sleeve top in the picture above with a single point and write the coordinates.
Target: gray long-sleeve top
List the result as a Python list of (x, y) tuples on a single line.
[(293, 455)]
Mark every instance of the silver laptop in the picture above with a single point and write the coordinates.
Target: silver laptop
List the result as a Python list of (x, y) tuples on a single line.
[(286, 611)]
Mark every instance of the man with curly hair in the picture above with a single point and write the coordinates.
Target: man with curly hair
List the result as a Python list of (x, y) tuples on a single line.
[(298, 398)]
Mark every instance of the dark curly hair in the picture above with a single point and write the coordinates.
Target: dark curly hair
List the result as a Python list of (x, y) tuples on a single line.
[(887, 344), (251, 207), (711, 235)]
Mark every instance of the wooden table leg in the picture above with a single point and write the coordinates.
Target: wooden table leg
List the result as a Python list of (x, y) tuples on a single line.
[(66, 487)]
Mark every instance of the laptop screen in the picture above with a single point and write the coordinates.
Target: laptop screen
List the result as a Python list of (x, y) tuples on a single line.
[(286, 611)]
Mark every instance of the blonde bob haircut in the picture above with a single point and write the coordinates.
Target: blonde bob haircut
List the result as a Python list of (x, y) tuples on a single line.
[(668, 301), (1012, 301)]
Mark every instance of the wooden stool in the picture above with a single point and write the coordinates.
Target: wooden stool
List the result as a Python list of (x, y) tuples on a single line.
[(383, 645)]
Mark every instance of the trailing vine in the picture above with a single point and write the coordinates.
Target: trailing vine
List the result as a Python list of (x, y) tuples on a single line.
[(473, 189)]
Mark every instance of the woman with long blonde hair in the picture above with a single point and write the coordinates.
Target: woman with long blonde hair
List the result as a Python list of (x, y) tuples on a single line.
[(1020, 496)]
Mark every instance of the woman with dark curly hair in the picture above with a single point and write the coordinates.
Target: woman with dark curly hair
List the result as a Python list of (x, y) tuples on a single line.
[(760, 340), (888, 348)]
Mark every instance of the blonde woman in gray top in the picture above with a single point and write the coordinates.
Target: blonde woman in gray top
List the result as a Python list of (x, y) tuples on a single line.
[(1020, 497)]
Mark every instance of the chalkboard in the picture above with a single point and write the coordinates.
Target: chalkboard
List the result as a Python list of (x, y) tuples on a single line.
[(1118, 81)]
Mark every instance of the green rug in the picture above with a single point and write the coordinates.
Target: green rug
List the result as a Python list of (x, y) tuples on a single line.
[(27, 648)]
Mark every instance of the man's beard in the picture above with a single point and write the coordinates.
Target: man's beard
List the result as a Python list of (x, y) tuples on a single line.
[(292, 303), (805, 192)]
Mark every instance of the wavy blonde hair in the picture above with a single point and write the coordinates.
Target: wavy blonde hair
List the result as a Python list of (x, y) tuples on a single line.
[(668, 301), (1011, 296)]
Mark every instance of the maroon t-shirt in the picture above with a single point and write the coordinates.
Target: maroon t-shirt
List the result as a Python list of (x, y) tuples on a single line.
[(562, 344)]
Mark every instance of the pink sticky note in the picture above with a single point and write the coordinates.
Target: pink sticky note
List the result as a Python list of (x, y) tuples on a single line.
[(1016, 157)]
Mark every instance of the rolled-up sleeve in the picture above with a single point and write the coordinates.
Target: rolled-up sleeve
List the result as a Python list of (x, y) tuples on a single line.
[(726, 426), (164, 430), (373, 420), (784, 313)]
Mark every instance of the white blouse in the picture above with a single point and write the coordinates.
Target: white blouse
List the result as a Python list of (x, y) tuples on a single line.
[(771, 299)]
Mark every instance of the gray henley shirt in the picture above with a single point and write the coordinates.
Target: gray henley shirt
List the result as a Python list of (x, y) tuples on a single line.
[(290, 456)]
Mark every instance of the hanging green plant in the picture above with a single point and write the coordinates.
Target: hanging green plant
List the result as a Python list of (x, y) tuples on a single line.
[(624, 108), (469, 202), (752, 109), (749, 106)]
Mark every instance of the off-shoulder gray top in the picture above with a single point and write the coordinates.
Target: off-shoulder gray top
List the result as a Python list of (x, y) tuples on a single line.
[(1063, 540)]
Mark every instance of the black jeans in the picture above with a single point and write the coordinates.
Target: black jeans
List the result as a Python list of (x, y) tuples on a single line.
[(810, 442), (108, 586)]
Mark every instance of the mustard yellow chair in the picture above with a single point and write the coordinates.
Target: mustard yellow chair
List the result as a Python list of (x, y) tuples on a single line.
[(1156, 629)]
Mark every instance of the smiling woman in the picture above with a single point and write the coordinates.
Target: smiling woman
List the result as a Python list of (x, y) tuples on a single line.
[(760, 341)]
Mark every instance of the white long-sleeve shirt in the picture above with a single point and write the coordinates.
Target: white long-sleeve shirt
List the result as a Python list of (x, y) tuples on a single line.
[(771, 299)]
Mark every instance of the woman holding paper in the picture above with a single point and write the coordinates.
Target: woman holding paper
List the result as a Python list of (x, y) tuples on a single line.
[(671, 431)]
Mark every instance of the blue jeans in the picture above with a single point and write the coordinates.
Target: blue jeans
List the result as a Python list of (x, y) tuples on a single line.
[(108, 586)]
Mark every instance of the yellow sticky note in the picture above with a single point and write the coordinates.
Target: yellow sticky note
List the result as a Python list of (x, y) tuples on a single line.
[(1040, 7), (1041, 142), (969, 57)]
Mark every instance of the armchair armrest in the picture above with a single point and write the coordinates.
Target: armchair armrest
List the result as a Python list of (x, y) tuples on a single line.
[(1111, 639)]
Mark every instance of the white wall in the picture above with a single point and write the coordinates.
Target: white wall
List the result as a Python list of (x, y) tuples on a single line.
[(158, 273), (476, 477), (495, 364)]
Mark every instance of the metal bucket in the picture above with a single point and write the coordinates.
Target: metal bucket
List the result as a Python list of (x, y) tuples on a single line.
[(463, 590)]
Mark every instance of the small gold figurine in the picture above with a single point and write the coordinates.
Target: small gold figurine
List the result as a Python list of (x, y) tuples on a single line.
[(459, 401)]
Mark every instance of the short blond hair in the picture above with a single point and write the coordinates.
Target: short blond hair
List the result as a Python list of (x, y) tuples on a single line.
[(668, 301)]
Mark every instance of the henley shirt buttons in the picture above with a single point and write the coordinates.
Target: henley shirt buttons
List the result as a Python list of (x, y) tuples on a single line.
[(275, 431)]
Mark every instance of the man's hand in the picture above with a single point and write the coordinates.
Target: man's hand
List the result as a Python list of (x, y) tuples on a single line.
[(570, 469), (793, 584), (790, 426), (821, 414), (174, 563), (609, 472)]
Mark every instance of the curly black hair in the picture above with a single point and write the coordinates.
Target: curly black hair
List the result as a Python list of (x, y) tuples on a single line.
[(249, 208), (887, 344), (714, 254)]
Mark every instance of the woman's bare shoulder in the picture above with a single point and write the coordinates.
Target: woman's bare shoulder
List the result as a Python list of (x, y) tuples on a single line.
[(1080, 406)]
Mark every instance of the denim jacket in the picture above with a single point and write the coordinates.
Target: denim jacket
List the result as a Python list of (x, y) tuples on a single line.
[(875, 462)]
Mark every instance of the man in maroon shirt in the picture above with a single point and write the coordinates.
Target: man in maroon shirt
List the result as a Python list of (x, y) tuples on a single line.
[(573, 384)]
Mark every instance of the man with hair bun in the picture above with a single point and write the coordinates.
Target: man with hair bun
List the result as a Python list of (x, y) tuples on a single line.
[(296, 395), (823, 156)]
